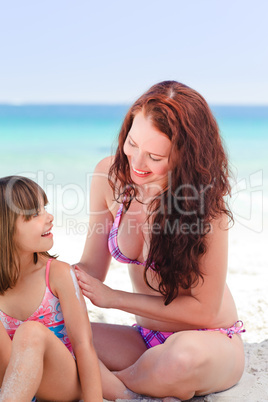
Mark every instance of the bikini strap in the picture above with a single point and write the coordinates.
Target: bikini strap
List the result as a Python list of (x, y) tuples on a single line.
[(47, 274), (237, 328)]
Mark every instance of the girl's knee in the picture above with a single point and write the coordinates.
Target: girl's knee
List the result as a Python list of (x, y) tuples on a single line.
[(29, 333), (4, 360), (5, 351)]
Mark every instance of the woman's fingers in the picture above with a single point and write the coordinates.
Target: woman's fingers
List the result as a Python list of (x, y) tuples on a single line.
[(82, 275), (94, 289)]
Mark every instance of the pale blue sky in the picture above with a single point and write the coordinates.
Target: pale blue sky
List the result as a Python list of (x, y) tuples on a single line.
[(110, 51)]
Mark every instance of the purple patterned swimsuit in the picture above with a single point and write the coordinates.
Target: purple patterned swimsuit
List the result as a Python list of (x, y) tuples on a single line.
[(150, 337)]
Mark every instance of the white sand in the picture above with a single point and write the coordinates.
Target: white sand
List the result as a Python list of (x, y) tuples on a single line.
[(248, 280)]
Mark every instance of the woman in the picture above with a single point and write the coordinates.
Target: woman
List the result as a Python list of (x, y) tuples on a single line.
[(162, 196)]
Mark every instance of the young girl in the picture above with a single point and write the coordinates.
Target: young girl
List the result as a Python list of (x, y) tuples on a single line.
[(49, 356)]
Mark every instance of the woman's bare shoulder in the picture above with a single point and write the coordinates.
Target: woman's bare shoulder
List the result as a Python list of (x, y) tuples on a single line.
[(104, 165), (101, 194)]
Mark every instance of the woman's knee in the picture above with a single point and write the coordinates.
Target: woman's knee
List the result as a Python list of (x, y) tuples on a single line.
[(180, 358), (177, 367)]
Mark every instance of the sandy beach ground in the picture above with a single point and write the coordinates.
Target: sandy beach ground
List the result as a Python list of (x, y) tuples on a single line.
[(248, 281)]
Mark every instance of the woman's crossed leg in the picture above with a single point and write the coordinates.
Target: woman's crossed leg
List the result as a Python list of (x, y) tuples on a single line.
[(189, 363)]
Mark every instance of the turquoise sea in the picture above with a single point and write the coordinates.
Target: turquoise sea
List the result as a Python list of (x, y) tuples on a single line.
[(59, 145)]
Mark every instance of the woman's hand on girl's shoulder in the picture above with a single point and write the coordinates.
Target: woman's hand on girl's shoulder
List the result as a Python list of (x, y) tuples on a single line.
[(98, 293)]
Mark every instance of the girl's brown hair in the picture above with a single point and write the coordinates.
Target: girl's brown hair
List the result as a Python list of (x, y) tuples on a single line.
[(198, 180), (18, 196)]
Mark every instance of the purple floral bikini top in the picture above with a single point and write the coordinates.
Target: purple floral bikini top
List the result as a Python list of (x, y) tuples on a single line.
[(112, 241)]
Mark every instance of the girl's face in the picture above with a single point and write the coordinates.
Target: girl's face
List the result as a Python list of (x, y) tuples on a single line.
[(35, 234), (147, 150)]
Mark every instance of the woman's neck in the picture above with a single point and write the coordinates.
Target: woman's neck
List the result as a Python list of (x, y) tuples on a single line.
[(148, 192)]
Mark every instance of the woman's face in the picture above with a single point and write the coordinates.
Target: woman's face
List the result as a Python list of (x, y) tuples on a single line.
[(147, 150)]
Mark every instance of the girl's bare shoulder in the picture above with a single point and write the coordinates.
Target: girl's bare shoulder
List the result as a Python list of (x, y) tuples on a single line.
[(59, 270)]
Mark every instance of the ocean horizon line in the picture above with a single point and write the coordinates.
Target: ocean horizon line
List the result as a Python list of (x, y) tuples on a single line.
[(88, 111), (115, 104)]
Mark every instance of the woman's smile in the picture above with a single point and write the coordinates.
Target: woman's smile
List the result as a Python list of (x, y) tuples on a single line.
[(140, 173), (147, 150)]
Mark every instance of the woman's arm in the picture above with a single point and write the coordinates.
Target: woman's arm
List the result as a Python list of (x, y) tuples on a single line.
[(63, 284), (200, 307), (96, 257)]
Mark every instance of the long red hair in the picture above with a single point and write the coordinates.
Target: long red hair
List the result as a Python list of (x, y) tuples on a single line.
[(198, 181)]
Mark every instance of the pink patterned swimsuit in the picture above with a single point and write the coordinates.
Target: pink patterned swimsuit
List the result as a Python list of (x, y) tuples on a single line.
[(48, 313), (150, 337)]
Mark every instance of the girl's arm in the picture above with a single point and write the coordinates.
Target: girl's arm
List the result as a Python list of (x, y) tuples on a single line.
[(96, 257), (65, 287), (200, 307)]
